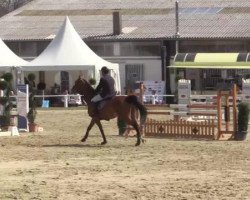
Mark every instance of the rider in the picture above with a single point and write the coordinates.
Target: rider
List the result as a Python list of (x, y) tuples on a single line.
[(105, 88)]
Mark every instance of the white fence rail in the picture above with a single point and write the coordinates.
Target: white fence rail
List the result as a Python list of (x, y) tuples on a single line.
[(202, 99)]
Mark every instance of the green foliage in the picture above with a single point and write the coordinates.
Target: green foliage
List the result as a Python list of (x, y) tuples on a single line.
[(3, 84), (7, 77), (92, 81), (31, 77), (6, 115), (177, 78), (243, 116), (32, 115), (7, 6), (3, 100), (5, 120), (32, 104)]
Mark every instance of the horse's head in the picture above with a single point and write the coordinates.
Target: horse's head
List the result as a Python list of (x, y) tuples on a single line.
[(79, 85), (82, 87)]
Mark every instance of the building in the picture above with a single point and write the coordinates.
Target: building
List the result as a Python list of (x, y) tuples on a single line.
[(7, 6), (142, 36)]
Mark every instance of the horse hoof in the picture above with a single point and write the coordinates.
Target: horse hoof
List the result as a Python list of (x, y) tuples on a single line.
[(83, 140), (137, 143), (104, 142), (143, 141)]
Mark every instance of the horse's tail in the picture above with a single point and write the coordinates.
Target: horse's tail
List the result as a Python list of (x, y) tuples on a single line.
[(132, 99)]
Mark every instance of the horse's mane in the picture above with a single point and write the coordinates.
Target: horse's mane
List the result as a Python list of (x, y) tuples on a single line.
[(86, 90), (89, 87)]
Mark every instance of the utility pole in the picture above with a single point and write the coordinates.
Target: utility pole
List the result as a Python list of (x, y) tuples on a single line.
[(177, 34)]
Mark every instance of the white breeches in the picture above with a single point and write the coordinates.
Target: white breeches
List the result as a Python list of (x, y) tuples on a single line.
[(96, 98)]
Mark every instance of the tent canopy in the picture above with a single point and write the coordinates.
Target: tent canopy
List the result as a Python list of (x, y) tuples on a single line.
[(9, 59), (67, 51), (212, 60)]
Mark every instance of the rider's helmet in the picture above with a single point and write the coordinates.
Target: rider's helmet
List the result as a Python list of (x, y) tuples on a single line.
[(105, 70)]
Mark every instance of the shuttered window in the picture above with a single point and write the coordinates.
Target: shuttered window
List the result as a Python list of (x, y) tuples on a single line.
[(134, 73)]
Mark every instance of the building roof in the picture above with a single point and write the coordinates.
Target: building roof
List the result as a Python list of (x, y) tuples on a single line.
[(141, 19)]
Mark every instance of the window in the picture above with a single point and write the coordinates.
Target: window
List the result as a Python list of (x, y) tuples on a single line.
[(41, 46), (200, 10), (140, 49), (64, 81), (28, 49), (102, 48), (133, 73), (212, 46), (14, 46)]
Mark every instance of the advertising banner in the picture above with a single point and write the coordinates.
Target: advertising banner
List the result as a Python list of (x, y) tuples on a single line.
[(154, 89)]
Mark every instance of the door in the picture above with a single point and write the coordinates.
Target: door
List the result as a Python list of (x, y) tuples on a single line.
[(64, 81), (134, 73)]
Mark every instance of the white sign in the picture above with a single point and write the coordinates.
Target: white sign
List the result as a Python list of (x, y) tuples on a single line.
[(223, 73), (246, 90), (184, 91), (154, 88)]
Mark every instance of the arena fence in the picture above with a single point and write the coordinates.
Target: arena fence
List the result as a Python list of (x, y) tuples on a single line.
[(208, 121), (181, 128)]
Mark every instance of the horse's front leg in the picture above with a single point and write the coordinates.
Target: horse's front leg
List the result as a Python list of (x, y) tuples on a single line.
[(98, 122), (92, 122)]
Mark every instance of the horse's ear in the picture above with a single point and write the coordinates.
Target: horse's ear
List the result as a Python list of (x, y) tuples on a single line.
[(81, 77)]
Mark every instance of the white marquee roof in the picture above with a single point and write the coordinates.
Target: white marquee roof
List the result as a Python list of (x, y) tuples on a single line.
[(8, 58), (67, 51)]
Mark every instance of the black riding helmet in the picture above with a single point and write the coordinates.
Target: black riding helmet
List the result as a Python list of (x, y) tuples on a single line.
[(105, 70)]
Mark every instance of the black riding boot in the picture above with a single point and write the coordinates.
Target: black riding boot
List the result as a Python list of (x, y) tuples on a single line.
[(95, 110)]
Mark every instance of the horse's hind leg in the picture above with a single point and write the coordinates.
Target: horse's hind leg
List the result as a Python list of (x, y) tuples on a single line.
[(134, 123), (98, 122), (92, 122), (138, 134)]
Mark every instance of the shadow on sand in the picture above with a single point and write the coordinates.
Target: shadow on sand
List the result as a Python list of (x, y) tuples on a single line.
[(76, 145)]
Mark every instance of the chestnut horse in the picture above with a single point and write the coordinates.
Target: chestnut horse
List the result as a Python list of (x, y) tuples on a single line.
[(124, 107)]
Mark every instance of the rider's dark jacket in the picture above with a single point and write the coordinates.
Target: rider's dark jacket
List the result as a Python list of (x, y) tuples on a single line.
[(106, 86)]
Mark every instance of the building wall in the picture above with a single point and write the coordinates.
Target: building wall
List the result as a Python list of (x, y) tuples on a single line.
[(214, 46), (151, 67), (146, 53), (208, 79)]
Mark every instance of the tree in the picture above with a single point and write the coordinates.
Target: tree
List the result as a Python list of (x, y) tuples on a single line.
[(7, 6), (5, 101)]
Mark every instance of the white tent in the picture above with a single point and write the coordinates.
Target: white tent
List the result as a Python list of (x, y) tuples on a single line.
[(67, 51), (8, 59)]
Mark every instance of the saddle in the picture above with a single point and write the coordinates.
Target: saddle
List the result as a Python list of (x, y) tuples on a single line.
[(103, 102)]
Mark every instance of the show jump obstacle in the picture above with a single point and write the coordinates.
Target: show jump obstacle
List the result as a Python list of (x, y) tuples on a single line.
[(216, 120)]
